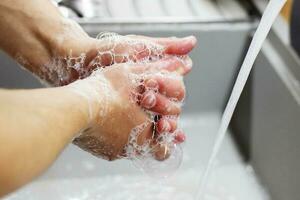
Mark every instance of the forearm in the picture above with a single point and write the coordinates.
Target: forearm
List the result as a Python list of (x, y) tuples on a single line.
[(35, 126), (21, 25), (59, 51), (33, 32)]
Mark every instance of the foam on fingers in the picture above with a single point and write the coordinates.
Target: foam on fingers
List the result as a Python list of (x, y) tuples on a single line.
[(135, 76)]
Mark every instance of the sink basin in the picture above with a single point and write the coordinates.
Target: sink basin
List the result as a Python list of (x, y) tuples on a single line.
[(78, 175)]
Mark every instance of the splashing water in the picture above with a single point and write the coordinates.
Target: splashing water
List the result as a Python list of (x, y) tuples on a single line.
[(267, 20)]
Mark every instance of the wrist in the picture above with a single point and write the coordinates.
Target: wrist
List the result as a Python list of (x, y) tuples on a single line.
[(94, 95), (74, 109)]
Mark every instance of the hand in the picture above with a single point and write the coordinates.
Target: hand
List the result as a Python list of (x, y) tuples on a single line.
[(76, 57), (58, 50), (117, 97)]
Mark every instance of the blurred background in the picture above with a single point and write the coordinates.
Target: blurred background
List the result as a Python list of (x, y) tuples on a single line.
[(259, 159)]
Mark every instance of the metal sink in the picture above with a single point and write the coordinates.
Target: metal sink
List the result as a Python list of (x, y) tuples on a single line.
[(208, 89), (246, 150)]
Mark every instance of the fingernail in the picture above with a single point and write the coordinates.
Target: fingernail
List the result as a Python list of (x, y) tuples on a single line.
[(149, 100), (191, 38), (188, 62)]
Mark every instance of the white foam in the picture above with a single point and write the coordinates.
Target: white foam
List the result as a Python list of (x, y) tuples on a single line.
[(99, 88)]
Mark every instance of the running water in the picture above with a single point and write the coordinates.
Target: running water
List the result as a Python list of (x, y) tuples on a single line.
[(273, 9)]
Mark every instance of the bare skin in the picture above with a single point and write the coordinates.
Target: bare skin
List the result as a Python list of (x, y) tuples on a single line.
[(34, 33), (35, 125)]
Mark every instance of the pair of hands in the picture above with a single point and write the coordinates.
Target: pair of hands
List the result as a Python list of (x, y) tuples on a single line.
[(59, 52), (128, 87), (107, 134), (108, 104)]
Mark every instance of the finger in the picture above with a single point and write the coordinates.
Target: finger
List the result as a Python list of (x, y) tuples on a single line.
[(100, 60), (90, 55), (168, 86), (174, 64), (99, 54), (125, 50), (146, 134), (159, 104), (180, 46), (140, 51), (105, 53), (179, 137), (171, 64), (172, 45), (165, 125), (161, 152)]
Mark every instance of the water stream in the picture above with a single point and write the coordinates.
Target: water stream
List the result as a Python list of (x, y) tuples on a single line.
[(270, 14)]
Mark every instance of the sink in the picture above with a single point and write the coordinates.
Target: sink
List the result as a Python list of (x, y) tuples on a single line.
[(241, 170), (78, 175)]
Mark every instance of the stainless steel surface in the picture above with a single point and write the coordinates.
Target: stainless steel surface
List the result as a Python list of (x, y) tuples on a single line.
[(275, 132), (208, 87), (77, 175), (267, 120), (266, 123), (87, 8), (215, 66), (144, 10)]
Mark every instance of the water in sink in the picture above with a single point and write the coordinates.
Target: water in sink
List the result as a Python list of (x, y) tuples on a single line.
[(78, 176), (230, 179)]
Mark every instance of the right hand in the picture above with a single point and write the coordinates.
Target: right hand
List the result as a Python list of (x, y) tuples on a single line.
[(117, 101), (77, 55)]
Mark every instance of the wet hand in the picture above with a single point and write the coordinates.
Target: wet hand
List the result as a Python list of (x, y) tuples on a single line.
[(117, 111), (75, 55)]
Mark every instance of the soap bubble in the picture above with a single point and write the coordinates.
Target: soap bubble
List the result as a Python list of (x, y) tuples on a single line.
[(161, 169), (159, 160)]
